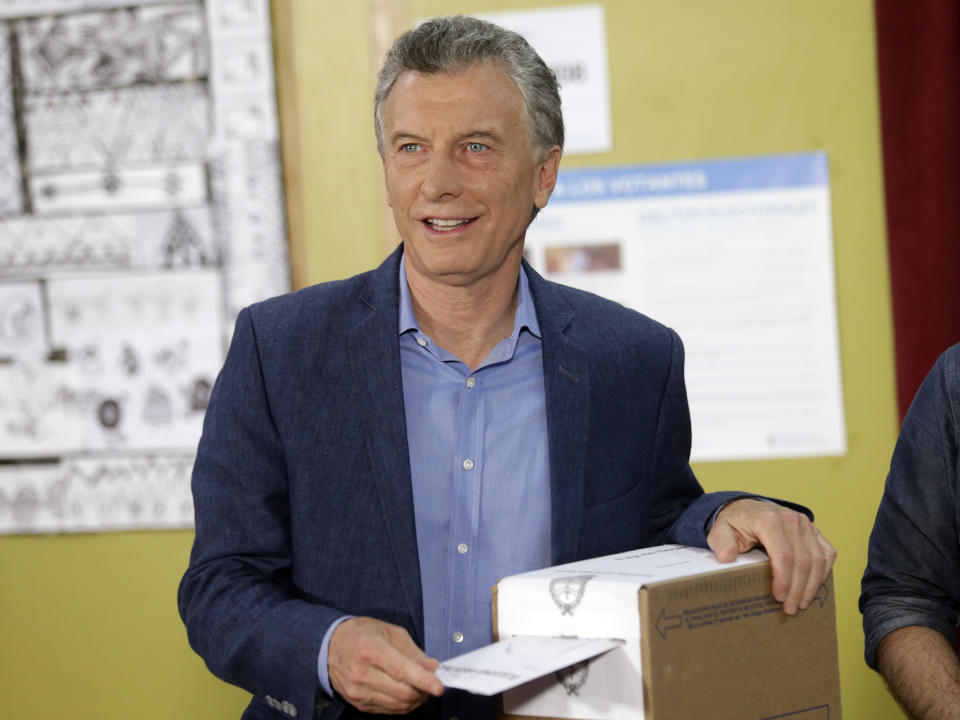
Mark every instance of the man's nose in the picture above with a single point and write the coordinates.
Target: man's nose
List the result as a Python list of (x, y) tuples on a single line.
[(442, 178)]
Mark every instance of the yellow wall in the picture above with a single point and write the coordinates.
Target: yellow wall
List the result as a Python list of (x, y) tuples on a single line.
[(88, 623)]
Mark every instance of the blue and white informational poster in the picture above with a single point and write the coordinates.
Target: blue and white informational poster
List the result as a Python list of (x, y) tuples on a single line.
[(737, 257)]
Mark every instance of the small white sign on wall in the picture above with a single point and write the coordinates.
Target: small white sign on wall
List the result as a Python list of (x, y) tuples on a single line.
[(573, 42)]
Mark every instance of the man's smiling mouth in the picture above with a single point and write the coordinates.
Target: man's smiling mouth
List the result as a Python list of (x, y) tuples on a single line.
[(445, 224)]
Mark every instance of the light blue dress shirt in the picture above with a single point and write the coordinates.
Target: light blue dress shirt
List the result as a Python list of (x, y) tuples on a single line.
[(481, 478)]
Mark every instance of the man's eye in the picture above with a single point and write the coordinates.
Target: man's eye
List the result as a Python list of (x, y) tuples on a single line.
[(409, 147), (476, 147)]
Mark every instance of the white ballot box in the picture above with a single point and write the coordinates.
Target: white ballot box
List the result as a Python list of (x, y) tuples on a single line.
[(694, 639)]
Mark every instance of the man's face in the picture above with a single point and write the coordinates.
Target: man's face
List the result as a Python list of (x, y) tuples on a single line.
[(460, 172)]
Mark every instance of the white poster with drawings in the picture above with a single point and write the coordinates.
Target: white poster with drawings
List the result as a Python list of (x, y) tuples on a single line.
[(572, 41), (737, 257), (141, 207)]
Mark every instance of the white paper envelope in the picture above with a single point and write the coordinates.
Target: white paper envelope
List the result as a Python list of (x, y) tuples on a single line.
[(509, 663)]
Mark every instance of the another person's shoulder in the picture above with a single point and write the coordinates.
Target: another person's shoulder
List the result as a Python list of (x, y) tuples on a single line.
[(949, 365), (946, 375), (942, 383), (935, 407)]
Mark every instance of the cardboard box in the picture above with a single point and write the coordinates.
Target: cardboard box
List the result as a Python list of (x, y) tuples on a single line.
[(700, 640)]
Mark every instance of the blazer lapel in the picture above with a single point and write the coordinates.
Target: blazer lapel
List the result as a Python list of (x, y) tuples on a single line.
[(377, 376), (566, 378)]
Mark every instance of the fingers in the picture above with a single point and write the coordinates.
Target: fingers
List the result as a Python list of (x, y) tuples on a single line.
[(402, 641), (800, 557), (726, 542), (777, 541), (376, 667), (825, 555)]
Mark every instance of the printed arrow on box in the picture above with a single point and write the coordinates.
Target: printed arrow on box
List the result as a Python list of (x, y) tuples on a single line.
[(665, 622), (822, 594)]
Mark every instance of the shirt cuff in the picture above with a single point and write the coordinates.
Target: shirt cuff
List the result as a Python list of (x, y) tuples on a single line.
[(323, 675)]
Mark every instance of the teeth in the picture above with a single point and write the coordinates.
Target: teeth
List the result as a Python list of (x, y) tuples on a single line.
[(446, 224)]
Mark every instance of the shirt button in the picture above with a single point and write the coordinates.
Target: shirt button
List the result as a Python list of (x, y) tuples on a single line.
[(471, 382), (468, 464), (462, 548), (458, 637), (421, 342)]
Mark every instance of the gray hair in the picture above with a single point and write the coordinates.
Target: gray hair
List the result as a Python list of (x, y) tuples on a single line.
[(453, 44)]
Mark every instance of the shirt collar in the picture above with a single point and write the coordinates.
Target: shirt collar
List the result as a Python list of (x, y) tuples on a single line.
[(526, 316)]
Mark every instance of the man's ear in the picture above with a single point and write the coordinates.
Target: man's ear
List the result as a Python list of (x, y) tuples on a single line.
[(547, 171)]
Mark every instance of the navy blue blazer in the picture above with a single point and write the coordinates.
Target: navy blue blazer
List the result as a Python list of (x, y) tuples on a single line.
[(302, 490)]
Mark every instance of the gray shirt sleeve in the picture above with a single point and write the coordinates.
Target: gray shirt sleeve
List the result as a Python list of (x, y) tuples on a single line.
[(913, 569)]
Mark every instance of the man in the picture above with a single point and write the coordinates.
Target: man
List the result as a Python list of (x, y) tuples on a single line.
[(911, 587), (379, 451)]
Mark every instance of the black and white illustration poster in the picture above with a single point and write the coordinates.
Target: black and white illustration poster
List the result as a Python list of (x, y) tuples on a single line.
[(141, 207)]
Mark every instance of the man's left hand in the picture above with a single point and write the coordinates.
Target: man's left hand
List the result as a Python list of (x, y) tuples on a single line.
[(800, 556)]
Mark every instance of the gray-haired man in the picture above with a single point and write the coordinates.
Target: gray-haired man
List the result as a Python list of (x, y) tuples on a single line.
[(379, 451)]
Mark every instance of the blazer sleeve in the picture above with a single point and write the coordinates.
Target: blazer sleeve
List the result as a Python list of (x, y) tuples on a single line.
[(243, 613)]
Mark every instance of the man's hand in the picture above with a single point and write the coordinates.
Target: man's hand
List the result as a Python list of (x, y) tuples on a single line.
[(376, 667), (800, 556)]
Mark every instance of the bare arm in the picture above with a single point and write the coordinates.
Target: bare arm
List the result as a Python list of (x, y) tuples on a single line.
[(922, 672)]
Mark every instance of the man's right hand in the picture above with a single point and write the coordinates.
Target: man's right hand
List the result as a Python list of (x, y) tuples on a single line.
[(376, 667)]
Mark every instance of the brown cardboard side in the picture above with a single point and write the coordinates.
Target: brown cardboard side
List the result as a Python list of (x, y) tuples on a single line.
[(719, 646)]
